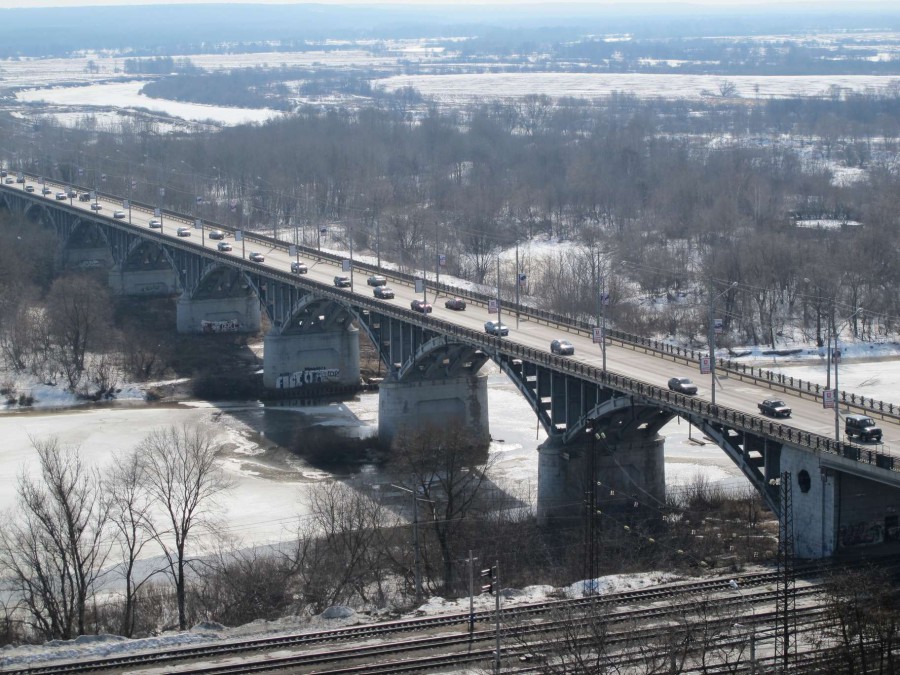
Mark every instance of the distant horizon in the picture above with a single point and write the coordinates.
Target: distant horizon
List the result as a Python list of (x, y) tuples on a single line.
[(620, 4)]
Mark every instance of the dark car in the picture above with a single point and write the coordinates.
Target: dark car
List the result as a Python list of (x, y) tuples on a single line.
[(71, 194), (29, 188), (96, 207), (342, 281), (216, 234), (863, 427), (383, 292), (20, 179), (84, 197), (774, 407), (299, 268), (562, 347), (421, 306), (376, 280), (223, 246), (457, 304), (496, 328), (256, 257), (683, 385)]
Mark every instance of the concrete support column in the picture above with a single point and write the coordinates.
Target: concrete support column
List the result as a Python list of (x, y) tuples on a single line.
[(629, 467), (88, 258), (143, 282), (300, 360), (239, 314), (815, 497), (457, 404)]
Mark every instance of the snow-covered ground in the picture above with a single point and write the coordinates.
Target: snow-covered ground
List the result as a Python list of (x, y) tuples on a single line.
[(127, 95), (461, 88)]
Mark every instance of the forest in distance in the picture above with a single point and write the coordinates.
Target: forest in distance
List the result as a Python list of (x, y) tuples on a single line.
[(664, 198)]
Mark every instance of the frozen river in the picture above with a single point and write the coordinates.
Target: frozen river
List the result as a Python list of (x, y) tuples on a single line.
[(265, 505)]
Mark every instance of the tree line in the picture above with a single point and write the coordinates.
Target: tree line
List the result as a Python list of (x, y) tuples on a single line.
[(673, 197)]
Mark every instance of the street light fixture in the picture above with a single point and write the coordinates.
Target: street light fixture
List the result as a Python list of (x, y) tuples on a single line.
[(712, 338), (836, 359), (827, 332)]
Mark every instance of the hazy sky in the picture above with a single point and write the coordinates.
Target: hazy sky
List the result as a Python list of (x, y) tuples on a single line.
[(621, 3)]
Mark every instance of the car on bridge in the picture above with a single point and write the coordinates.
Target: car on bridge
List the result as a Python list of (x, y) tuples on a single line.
[(299, 268), (216, 234), (118, 215), (256, 257), (383, 292), (60, 195), (774, 407), (183, 232), (496, 328), (562, 347), (342, 281), (224, 246), (456, 304), (20, 179), (156, 223), (45, 190), (71, 194), (3, 173), (376, 280), (96, 207), (863, 427), (683, 385), (421, 306), (10, 181), (29, 188), (84, 197)]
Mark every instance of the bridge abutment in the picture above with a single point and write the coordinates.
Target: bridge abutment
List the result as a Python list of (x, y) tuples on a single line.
[(238, 314), (143, 282), (625, 471), (458, 404), (294, 361)]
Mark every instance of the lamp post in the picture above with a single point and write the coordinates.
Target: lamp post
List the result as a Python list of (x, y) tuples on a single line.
[(733, 584), (827, 332), (712, 338), (836, 359)]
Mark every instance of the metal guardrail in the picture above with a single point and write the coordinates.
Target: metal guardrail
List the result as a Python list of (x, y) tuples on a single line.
[(762, 376)]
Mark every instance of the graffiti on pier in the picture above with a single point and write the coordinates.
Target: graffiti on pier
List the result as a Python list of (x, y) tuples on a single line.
[(229, 326), (861, 534), (306, 377)]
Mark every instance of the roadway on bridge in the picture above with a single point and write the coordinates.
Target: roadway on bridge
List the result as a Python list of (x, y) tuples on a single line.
[(656, 369)]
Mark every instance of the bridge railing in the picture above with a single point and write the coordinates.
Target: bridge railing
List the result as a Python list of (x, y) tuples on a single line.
[(688, 405), (761, 376)]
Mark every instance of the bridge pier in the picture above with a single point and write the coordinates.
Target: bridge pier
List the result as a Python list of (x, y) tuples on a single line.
[(455, 404), (143, 282), (88, 258), (625, 470), (238, 314), (293, 361)]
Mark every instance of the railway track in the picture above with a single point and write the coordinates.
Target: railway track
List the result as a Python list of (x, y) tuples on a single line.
[(385, 630)]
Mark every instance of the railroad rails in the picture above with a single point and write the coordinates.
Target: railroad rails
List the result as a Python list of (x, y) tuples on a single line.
[(384, 631)]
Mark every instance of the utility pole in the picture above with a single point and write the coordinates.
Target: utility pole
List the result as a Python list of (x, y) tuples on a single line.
[(712, 337), (497, 615), (517, 282), (418, 573), (471, 594)]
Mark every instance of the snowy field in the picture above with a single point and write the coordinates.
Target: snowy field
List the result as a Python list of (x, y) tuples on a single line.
[(127, 95), (486, 86)]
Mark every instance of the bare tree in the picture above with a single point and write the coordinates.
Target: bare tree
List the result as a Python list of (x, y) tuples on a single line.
[(347, 524), (129, 506), (183, 481), (79, 311), (448, 472), (54, 548)]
